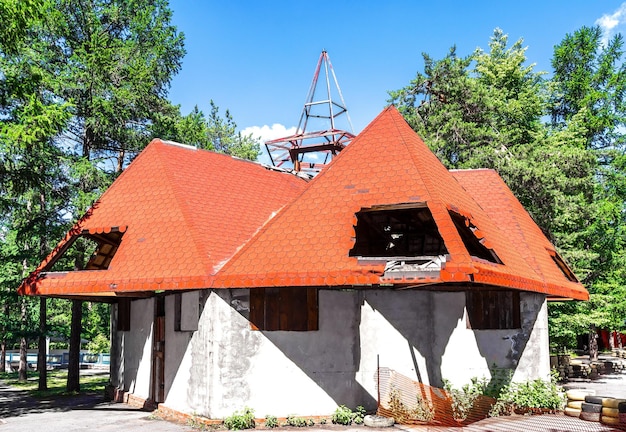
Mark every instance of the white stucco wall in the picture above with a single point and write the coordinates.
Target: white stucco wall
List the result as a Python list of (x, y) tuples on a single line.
[(132, 368), (225, 366)]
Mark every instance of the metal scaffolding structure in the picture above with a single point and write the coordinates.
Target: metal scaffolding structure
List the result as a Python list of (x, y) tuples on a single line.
[(310, 151)]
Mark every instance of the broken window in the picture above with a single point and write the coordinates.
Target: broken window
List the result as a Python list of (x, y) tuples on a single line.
[(493, 310), (567, 272), (289, 308), (88, 251), (472, 239), (397, 232)]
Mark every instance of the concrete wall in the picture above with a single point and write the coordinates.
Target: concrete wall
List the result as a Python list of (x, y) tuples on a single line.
[(225, 366), (131, 351)]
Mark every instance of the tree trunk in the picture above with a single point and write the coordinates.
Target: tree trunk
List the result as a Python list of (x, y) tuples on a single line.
[(22, 370), (73, 372), (3, 342), (41, 346), (3, 355), (120, 161), (42, 369), (611, 340), (593, 343)]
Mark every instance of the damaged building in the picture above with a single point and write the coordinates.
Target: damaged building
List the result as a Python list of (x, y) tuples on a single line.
[(233, 285)]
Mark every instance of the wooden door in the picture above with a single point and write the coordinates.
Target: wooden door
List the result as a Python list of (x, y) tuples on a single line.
[(158, 352)]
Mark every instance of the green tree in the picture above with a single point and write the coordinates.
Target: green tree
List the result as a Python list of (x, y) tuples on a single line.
[(473, 110), (214, 133), (117, 59), (95, 70), (590, 82), (31, 118), (488, 110)]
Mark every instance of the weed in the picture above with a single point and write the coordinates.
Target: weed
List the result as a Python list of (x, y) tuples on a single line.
[(359, 415), (343, 415), (240, 420), (271, 421), (530, 396), (463, 399), (194, 422), (296, 421), (423, 409)]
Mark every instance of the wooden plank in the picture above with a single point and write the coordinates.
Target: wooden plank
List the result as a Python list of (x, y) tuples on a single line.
[(312, 309), (272, 309), (257, 308)]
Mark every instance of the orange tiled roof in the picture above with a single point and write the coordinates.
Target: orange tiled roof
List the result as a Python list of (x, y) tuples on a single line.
[(196, 219), (308, 243), (495, 197), (185, 212)]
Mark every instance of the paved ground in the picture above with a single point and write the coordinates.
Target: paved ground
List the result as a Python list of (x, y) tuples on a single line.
[(19, 412)]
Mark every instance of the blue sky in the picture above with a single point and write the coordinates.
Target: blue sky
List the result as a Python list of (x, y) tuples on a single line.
[(257, 58)]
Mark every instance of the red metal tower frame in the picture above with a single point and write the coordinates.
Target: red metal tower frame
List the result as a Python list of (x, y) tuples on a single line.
[(311, 151)]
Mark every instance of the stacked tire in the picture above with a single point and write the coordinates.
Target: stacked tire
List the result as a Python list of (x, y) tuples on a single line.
[(591, 408), (621, 409), (575, 399), (610, 410)]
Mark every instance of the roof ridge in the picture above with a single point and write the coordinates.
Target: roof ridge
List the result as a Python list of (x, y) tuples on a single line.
[(183, 206)]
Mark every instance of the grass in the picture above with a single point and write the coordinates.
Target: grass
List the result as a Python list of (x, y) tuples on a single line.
[(57, 380)]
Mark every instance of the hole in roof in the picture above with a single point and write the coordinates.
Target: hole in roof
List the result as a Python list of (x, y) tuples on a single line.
[(567, 272), (397, 232), (87, 251), (472, 239)]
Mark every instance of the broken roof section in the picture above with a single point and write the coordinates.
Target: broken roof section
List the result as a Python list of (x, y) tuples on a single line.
[(385, 212), (170, 221), (389, 170)]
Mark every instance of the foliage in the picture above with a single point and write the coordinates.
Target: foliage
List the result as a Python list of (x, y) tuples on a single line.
[(342, 415), (463, 399), (271, 421), (345, 416), (423, 409), (359, 415), (99, 344), (558, 143), (298, 421), (535, 394), (214, 133), (240, 420)]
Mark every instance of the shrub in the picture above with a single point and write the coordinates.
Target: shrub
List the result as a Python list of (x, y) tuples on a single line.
[(423, 409), (463, 399), (343, 415), (296, 421), (529, 395), (271, 421), (359, 415), (240, 420)]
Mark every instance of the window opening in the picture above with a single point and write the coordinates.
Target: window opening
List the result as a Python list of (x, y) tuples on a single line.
[(87, 251), (567, 272), (469, 235), (493, 310), (397, 232), (289, 308)]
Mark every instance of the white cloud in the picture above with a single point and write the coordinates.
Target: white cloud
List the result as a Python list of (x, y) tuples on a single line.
[(266, 133), (609, 22)]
